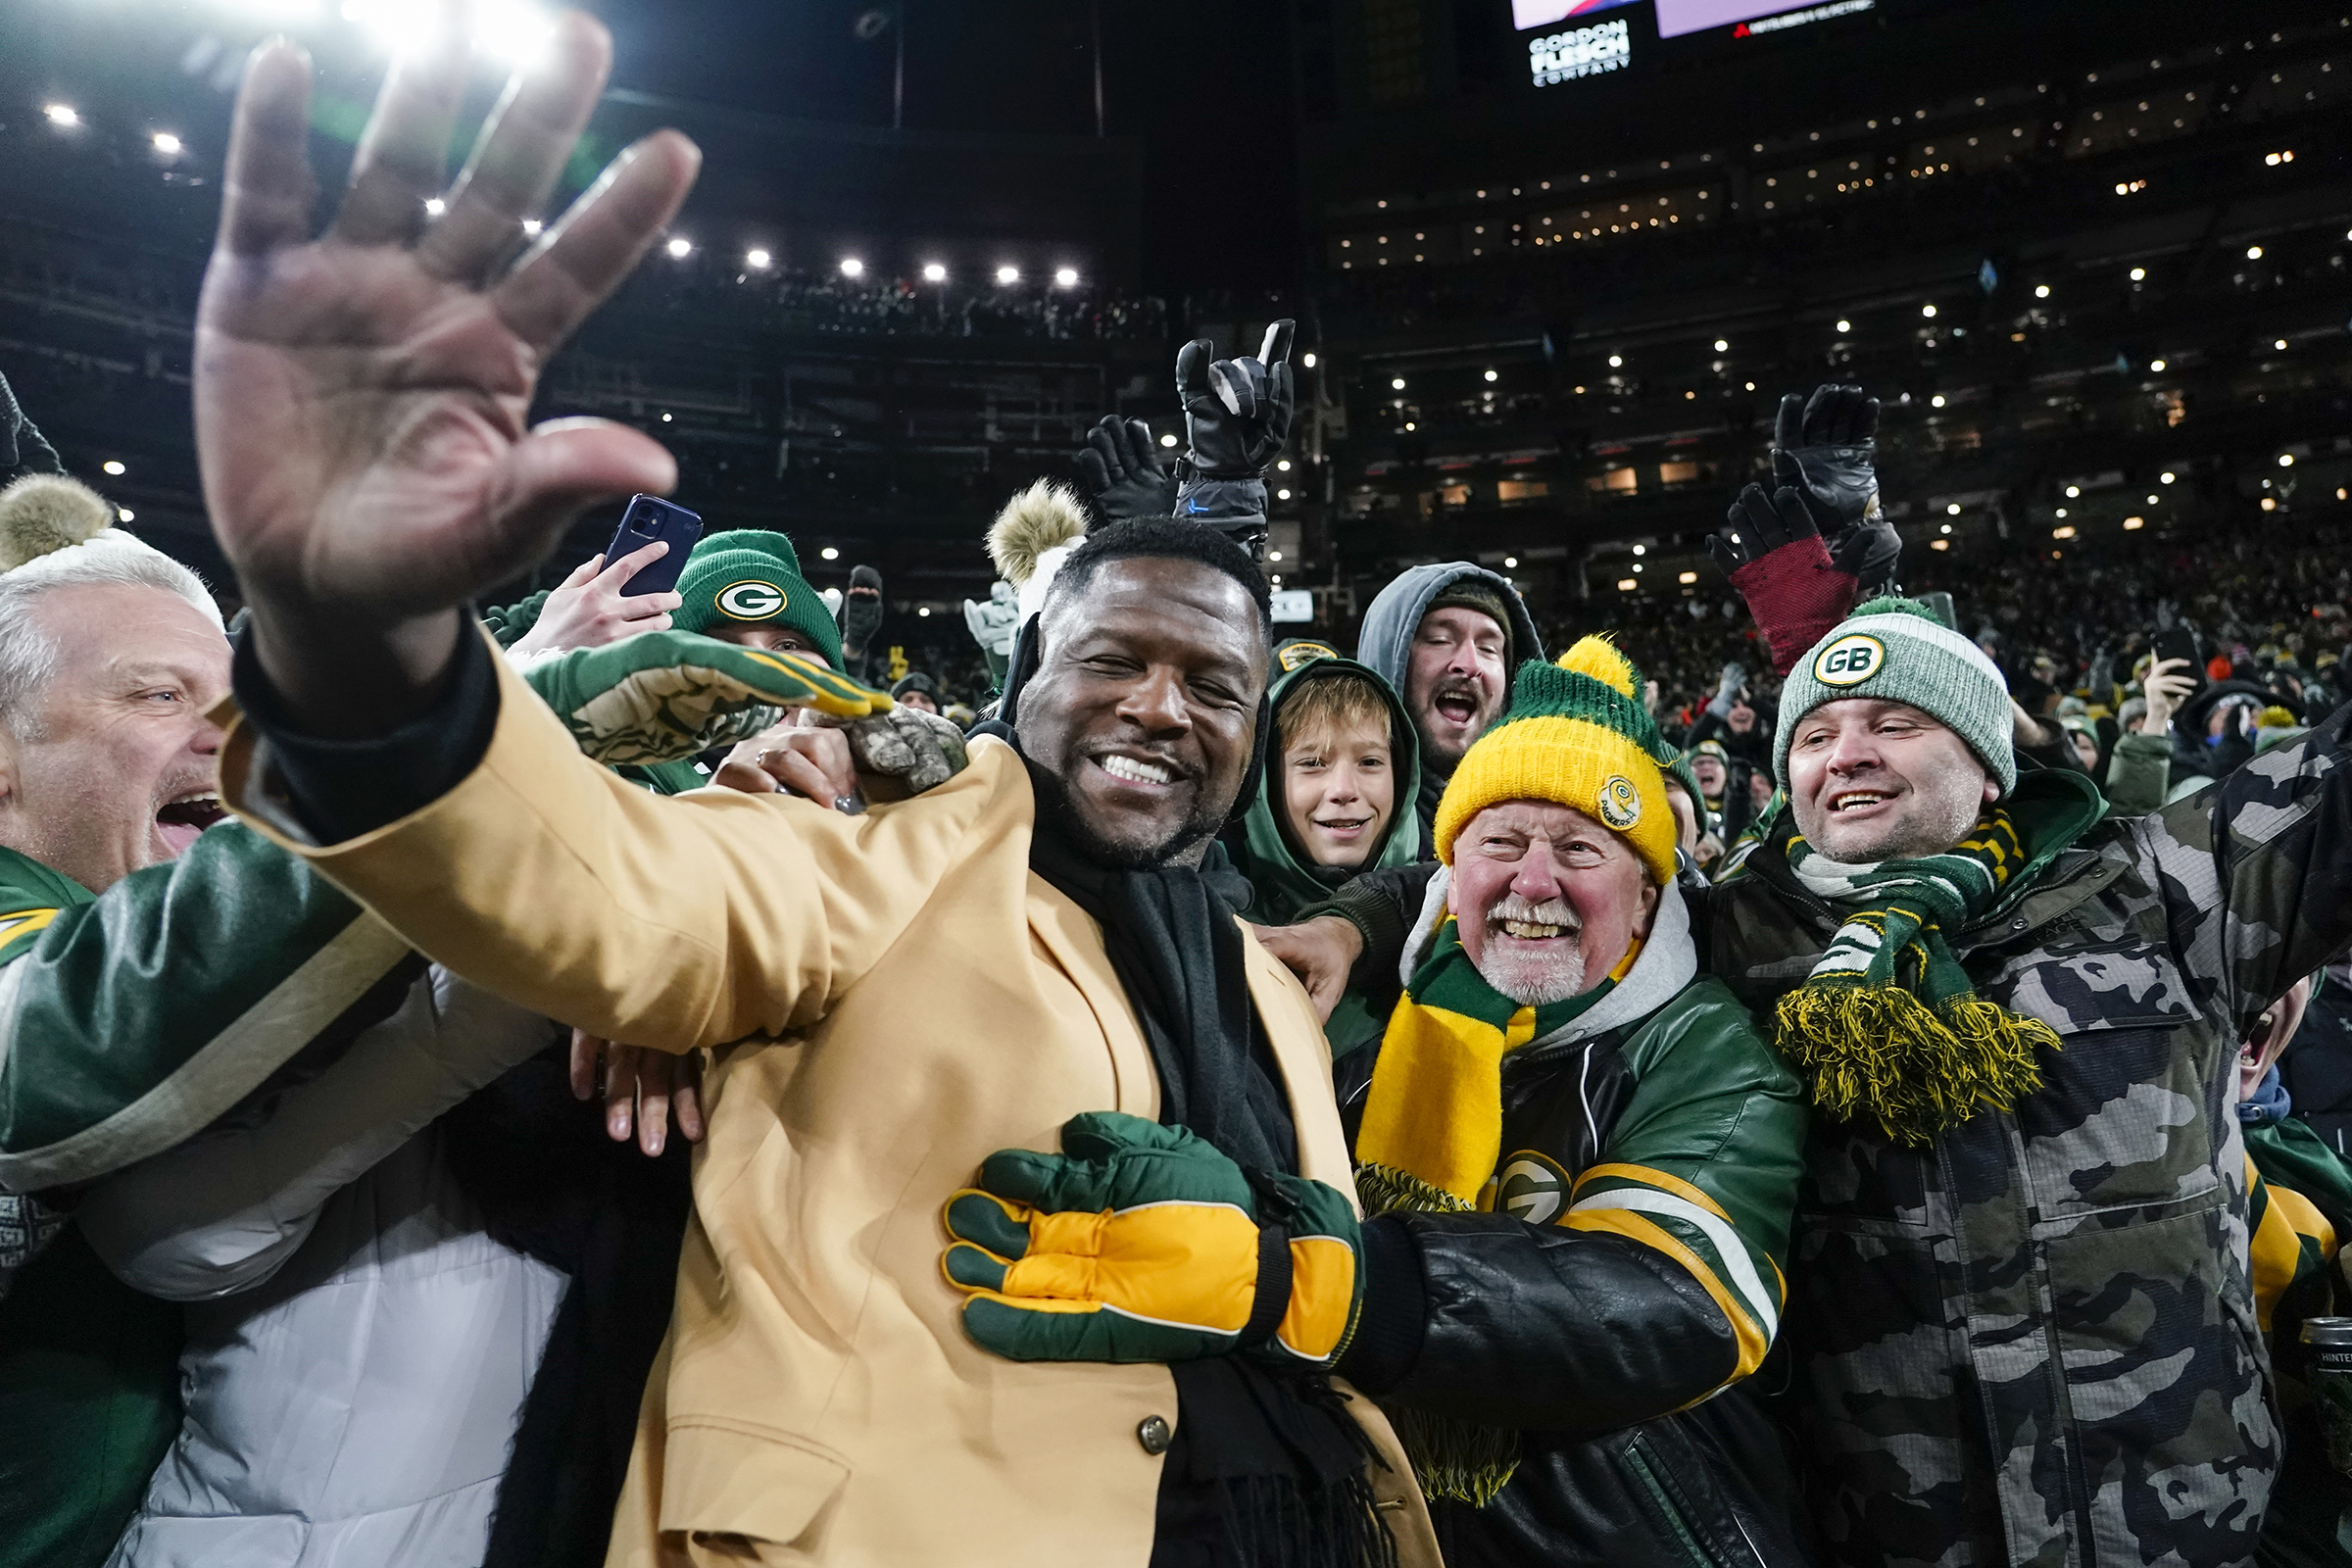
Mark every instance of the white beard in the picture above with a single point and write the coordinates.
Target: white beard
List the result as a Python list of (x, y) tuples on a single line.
[(1533, 977)]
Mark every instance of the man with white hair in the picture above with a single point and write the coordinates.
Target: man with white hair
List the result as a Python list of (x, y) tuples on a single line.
[(1583, 1158)]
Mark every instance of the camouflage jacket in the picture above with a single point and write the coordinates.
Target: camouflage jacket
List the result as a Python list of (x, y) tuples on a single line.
[(2035, 1343)]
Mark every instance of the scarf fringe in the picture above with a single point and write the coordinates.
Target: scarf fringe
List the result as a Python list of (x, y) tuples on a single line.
[(1382, 1188), (1880, 1051)]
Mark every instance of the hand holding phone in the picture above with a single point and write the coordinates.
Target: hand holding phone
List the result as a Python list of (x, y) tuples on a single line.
[(591, 608), (649, 520)]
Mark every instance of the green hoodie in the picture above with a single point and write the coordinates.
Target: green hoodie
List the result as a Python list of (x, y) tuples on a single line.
[(1284, 880)]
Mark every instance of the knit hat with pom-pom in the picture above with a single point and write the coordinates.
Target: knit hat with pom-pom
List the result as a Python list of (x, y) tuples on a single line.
[(1576, 734)]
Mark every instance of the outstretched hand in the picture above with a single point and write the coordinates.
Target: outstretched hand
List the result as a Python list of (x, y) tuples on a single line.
[(361, 395)]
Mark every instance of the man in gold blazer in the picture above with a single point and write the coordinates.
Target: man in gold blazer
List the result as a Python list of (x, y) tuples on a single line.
[(1124, 1355)]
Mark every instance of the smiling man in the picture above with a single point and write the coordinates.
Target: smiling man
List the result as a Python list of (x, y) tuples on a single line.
[(1564, 1112), (1027, 954), (1446, 638), (2019, 1020)]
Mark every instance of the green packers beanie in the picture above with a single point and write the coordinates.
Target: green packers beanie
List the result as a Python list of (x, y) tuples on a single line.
[(749, 576), (1897, 651)]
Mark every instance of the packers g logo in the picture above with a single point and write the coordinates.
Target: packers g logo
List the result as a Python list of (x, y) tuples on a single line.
[(750, 600), (1850, 660), (1532, 1187), (1620, 803), (1291, 654)]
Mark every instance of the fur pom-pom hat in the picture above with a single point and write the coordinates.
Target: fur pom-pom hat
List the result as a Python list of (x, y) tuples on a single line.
[(52, 527), (1033, 536)]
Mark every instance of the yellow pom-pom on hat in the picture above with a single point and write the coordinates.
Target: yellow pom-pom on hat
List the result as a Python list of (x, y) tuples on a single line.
[(1577, 735)]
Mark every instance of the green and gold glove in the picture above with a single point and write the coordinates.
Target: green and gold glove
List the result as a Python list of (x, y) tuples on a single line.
[(1142, 1243), (665, 695)]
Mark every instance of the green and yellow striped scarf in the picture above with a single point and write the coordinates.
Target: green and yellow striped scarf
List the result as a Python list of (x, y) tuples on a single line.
[(1888, 1026)]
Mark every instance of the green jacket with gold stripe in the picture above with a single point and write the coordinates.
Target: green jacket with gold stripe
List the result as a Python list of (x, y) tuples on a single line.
[(1604, 1313)]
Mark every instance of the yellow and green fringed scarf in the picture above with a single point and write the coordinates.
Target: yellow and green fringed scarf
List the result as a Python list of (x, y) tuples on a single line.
[(1888, 1026), (1431, 1137)]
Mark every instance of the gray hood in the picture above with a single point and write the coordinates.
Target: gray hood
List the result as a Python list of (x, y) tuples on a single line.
[(1395, 614)]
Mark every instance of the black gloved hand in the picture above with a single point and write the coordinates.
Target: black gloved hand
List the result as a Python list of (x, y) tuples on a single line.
[(1237, 415), (1773, 551), (861, 612), (1122, 470), (1829, 442), (21, 447)]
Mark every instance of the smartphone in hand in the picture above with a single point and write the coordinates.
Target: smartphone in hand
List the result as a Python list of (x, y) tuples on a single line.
[(649, 518), (2182, 643)]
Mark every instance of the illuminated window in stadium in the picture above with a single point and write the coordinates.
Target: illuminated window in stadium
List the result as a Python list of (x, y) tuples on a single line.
[(1526, 14), (1556, 57)]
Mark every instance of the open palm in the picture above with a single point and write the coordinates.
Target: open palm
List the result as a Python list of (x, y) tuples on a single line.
[(362, 397)]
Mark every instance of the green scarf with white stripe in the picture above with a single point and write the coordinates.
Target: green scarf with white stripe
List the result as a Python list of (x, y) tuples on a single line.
[(1888, 1026)]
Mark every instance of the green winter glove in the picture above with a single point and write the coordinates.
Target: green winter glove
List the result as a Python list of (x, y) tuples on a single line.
[(665, 695), (1142, 1243)]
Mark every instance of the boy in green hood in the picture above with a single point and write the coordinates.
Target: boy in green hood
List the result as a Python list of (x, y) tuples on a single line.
[(1343, 768)]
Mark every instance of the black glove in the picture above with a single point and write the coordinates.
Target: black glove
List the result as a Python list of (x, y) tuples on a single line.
[(21, 447), (861, 612), (1237, 415), (1829, 441), (1122, 470), (1773, 551)]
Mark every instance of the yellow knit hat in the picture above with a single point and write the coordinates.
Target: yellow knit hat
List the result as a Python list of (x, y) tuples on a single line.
[(1577, 735)]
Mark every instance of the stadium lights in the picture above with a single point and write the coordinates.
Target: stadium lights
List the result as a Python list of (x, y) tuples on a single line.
[(434, 206), (112, 465), (1936, 402), (1281, 495), (2041, 291), (922, 610), (1510, 561), (2286, 460), (509, 30), (1952, 508), (1927, 311), (1494, 375), (1410, 425), (2073, 490), (2135, 524), (1939, 544), (1008, 273), (1616, 362), (165, 143), (1845, 326), (1641, 550), (1284, 465), (759, 261), (1751, 386), (1168, 440), (62, 115), (668, 416), (829, 554), (1308, 359), (125, 515), (1396, 383), (1065, 277), (1688, 576), (2155, 501), (2279, 344), (2166, 478), (680, 248), (935, 271), (2157, 365), (1626, 585), (2139, 274), (2065, 531), (1722, 345), (2062, 512), (2253, 253), (852, 267), (531, 227), (1947, 527)]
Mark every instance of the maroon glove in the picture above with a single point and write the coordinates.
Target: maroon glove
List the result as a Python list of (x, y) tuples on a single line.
[(1772, 550)]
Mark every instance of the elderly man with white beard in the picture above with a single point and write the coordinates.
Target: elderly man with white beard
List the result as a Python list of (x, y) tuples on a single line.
[(1582, 1157)]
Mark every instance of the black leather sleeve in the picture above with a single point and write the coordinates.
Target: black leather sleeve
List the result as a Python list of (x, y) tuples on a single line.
[(1539, 1326)]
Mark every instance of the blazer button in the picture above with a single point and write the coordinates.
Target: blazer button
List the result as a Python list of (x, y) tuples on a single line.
[(1154, 1434), (2018, 924)]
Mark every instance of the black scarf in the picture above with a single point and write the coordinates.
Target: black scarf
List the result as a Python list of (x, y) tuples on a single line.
[(1266, 1469)]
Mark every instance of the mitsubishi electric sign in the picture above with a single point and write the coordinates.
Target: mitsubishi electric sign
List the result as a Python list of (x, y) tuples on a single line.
[(1558, 57)]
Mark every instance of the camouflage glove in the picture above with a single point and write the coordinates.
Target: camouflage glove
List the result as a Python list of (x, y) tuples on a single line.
[(666, 695), (1829, 442), (1123, 473), (1141, 1242), (917, 750)]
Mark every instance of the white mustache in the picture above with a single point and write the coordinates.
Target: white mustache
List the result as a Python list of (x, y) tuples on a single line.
[(1551, 911)]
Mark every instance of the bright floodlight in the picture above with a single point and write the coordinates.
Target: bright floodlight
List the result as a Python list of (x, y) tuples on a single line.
[(531, 226), (1845, 326), (62, 115), (852, 267), (759, 261), (112, 465), (125, 515), (829, 554), (1168, 440), (935, 272), (2041, 291), (507, 30), (165, 143), (1615, 361), (1952, 510), (1927, 310), (1008, 273), (681, 247), (1936, 402), (2157, 365), (2253, 253), (1722, 345), (435, 206), (1396, 383), (1066, 277), (1493, 375), (1308, 360), (2138, 273)]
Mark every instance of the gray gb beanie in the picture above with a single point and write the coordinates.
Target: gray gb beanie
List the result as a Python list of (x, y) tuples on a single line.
[(1897, 651)]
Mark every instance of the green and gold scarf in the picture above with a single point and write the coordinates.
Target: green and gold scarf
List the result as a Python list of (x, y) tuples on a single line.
[(1888, 1026)]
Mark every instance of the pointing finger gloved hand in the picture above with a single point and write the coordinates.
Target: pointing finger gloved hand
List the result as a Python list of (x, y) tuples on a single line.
[(1142, 1243)]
